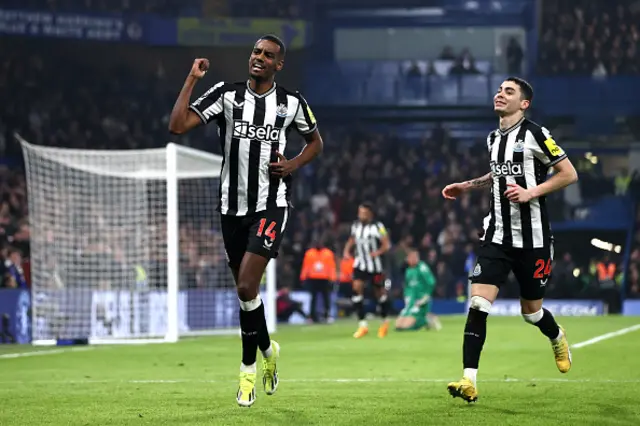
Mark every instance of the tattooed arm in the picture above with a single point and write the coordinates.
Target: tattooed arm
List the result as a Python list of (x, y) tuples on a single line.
[(450, 192), (481, 182)]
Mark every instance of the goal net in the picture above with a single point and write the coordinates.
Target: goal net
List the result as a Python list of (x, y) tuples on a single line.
[(126, 246)]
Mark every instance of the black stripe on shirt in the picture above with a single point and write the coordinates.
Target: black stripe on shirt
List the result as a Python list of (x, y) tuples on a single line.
[(234, 156), (274, 181), (505, 204), (491, 229), (222, 125), (525, 208), (254, 157)]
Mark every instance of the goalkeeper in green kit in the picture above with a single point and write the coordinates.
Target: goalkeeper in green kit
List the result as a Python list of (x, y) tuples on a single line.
[(419, 284)]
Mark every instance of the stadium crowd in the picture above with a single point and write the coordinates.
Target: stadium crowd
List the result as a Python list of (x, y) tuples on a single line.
[(169, 8), (53, 103), (586, 37)]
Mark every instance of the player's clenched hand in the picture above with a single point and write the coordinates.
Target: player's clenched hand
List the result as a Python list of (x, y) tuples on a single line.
[(517, 194), (199, 68), (283, 167), (450, 192)]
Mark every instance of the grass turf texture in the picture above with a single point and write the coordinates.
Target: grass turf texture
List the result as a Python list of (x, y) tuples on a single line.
[(329, 378)]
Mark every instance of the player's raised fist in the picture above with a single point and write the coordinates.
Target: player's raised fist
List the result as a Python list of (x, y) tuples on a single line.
[(200, 67), (450, 192)]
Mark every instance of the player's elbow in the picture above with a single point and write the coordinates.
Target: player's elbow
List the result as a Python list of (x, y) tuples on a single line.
[(574, 176), (570, 176), (176, 129)]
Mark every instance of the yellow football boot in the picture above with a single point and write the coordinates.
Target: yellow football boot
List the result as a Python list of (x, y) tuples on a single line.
[(270, 371), (361, 332), (464, 389), (383, 330), (247, 389), (562, 353)]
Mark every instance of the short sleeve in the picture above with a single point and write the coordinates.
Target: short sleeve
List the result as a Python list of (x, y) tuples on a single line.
[(210, 105), (545, 148), (382, 231), (304, 120)]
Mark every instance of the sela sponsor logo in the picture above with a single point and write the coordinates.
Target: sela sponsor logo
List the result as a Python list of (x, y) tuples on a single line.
[(506, 169), (246, 130)]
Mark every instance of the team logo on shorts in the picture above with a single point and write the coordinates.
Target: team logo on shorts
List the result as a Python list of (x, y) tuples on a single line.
[(281, 110), (477, 270)]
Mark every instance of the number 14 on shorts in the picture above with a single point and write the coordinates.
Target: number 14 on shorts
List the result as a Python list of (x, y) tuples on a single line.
[(269, 232)]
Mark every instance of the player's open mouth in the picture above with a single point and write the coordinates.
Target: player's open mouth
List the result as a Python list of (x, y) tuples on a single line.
[(257, 67)]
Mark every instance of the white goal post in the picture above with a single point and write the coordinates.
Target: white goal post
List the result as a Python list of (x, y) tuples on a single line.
[(126, 246)]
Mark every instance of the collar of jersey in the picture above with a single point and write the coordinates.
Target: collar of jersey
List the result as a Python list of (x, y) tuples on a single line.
[(506, 132), (270, 91)]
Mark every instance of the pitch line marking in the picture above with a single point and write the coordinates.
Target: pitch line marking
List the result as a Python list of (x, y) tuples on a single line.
[(606, 336), (45, 352), (319, 380)]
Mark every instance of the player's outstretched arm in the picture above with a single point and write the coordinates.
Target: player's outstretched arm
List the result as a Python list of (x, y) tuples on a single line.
[(182, 118), (450, 192)]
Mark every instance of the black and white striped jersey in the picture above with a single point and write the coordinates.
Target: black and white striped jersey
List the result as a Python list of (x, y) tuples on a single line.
[(520, 155), (252, 129), (367, 238)]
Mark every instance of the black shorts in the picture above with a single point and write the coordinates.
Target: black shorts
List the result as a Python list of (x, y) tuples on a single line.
[(377, 279), (259, 233), (531, 267)]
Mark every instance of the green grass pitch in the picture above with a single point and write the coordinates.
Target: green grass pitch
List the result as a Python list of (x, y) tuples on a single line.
[(329, 378)]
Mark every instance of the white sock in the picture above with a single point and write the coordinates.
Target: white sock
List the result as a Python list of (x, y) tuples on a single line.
[(248, 368), (471, 373), (559, 336), (268, 352), (363, 323)]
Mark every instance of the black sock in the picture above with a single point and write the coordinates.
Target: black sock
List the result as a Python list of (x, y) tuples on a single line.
[(264, 341), (384, 307), (548, 325), (358, 306), (475, 333), (250, 325)]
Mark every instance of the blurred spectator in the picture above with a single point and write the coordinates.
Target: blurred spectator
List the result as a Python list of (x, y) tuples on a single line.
[(286, 306), (319, 273), (587, 37), (447, 53), (14, 277), (170, 8), (515, 55)]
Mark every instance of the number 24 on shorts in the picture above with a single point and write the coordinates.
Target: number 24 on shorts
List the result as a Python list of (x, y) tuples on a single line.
[(270, 232), (541, 265)]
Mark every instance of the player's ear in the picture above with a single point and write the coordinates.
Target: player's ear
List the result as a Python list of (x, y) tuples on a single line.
[(280, 64), (525, 104)]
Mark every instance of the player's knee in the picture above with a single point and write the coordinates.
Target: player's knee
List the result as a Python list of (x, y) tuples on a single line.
[(533, 318), (246, 291), (479, 303)]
